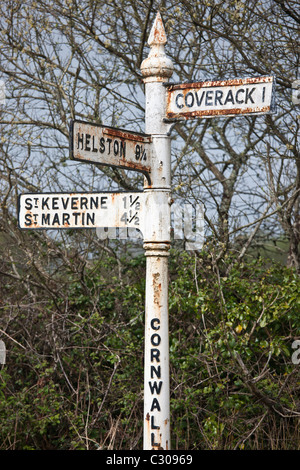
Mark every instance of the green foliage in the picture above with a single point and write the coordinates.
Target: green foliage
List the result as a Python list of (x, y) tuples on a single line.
[(232, 360), (74, 374)]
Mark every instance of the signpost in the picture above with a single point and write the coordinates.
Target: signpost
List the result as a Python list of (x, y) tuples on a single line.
[(150, 210), (156, 70)]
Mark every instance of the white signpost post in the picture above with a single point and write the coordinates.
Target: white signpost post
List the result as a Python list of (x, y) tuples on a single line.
[(150, 210)]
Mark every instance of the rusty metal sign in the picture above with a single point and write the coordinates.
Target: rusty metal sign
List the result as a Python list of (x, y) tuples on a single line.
[(109, 146), (240, 96), (80, 210)]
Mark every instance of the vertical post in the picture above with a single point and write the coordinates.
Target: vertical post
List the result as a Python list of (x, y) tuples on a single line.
[(156, 70)]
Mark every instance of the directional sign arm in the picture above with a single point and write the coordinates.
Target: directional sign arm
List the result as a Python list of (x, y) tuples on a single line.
[(239, 96), (108, 146), (80, 210)]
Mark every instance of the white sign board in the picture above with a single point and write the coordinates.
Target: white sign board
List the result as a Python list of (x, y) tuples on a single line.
[(79, 210), (104, 145), (240, 96)]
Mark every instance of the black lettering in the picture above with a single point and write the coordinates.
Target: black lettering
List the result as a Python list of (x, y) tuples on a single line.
[(94, 202), (74, 203), (76, 215), (102, 145), (263, 94), (248, 95), (180, 95), (155, 320), (218, 97), (94, 149), (155, 339), (103, 202), (66, 219), (154, 444), (83, 202), (122, 149), (80, 140), (155, 388), (28, 220), (208, 98), (155, 353), (28, 203), (45, 203), (109, 142), (55, 219), (90, 218), (65, 202), (55, 204), (229, 97), (236, 96), (116, 147), (191, 103), (45, 219), (155, 405), (87, 142), (156, 371), (199, 101), (152, 423)]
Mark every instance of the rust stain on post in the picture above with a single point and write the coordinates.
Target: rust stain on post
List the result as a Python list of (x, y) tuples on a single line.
[(157, 34), (157, 291), (157, 67)]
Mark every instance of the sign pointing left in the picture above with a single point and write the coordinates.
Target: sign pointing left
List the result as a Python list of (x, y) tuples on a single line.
[(105, 145), (80, 210)]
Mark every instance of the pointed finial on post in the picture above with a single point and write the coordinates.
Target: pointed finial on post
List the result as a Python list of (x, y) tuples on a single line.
[(157, 67), (157, 34)]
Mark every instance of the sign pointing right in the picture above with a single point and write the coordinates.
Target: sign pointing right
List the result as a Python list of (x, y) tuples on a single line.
[(221, 97)]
